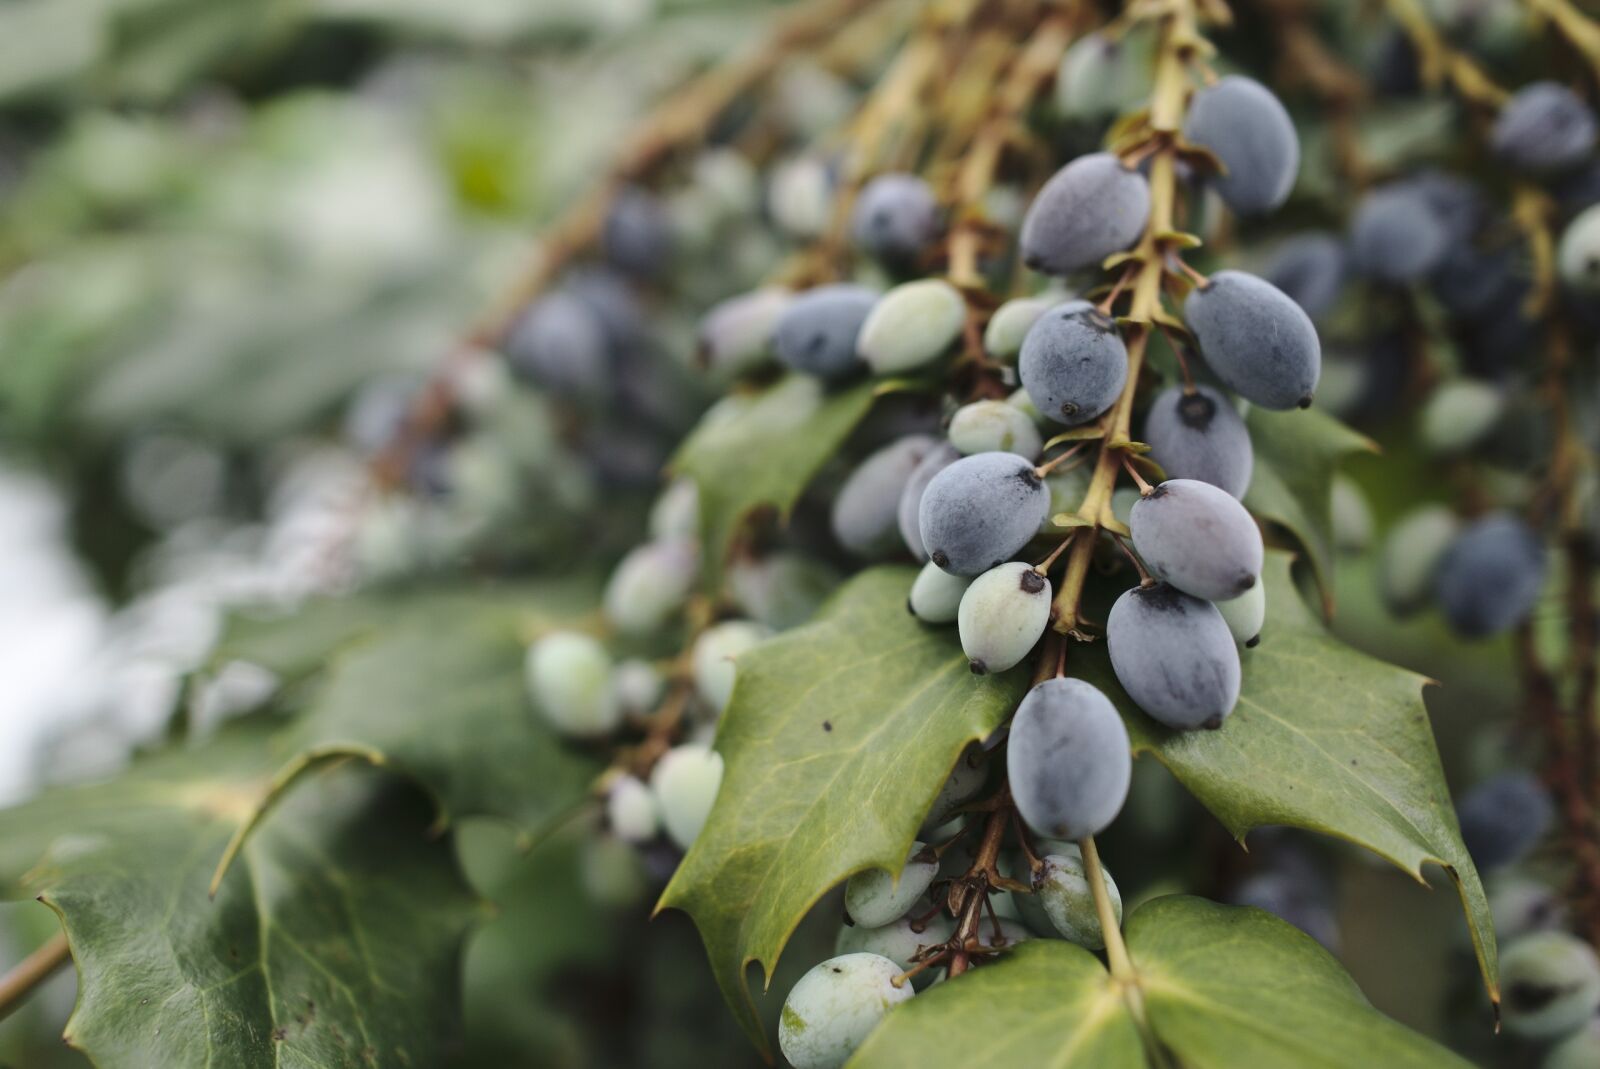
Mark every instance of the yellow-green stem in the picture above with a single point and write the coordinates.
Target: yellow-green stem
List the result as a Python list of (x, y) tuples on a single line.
[(1169, 98)]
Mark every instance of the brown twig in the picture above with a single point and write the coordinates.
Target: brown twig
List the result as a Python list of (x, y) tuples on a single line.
[(1561, 773), (31, 971), (1579, 30), (972, 890), (681, 120), (1031, 72)]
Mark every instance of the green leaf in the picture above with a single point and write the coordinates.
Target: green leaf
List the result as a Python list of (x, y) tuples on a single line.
[(335, 940), (838, 737), (1227, 986), (299, 643), (430, 685), (448, 707), (1325, 738), (1048, 1002), (446, 703), (1221, 987), (1297, 454), (754, 452)]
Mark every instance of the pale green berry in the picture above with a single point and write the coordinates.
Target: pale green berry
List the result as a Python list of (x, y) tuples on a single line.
[(1002, 338), (994, 427), (1518, 905), (1002, 616), (1020, 401), (1460, 414), (1352, 516), (569, 676), (966, 779), (1063, 890), (936, 595), (1010, 934), (651, 585), (835, 1006), (1411, 555), (1551, 984), (1580, 1050), (900, 941), (782, 590), (676, 513), (736, 335), (638, 686), (875, 897), (911, 325), (715, 652), (800, 196), (1579, 256), (685, 783), (1245, 614), (631, 810)]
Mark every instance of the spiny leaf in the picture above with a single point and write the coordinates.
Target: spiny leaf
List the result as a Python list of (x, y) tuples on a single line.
[(762, 451), (1048, 1002), (1227, 986), (435, 690), (1324, 738), (299, 643), (838, 738), (1297, 454), (334, 942), (1222, 987)]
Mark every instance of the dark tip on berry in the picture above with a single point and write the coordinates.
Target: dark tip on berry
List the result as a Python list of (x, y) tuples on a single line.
[(1160, 490), (1031, 582), (1304, 402), (978, 668), (1213, 723), (940, 558), (1245, 583), (1196, 411), (827, 725), (1255, 640), (1068, 408)]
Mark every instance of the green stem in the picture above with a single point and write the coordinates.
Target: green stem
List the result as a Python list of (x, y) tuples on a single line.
[(1123, 974)]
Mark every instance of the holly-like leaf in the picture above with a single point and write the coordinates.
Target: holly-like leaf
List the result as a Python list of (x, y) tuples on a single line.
[(838, 737), (448, 705), (762, 451), (1325, 738), (299, 643), (430, 684), (1297, 454), (1048, 1002), (335, 941), (1221, 987), (445, 703)]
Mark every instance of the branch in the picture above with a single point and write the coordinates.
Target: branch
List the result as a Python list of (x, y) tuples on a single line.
[(1580, 31), (33, 970), (1440, 63), (682, 119), (977, 882), (1169, 100), (1031, 72)]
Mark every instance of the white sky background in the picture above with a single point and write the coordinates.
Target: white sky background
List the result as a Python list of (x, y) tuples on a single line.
[(52, 629)]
